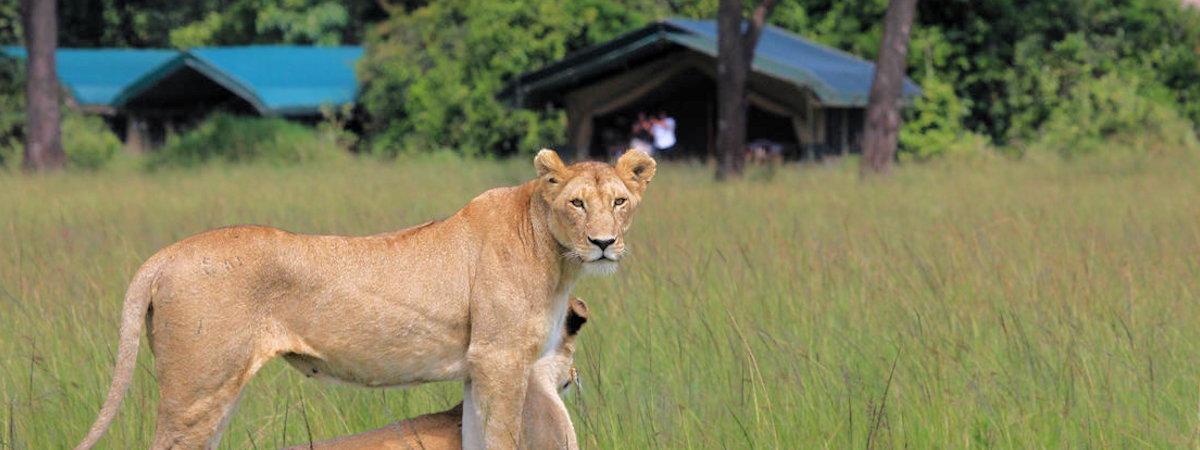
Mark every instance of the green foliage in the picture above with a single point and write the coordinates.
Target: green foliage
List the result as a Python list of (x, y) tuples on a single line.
[(294, 21), (10, 23), (1116, 113), (88, 142), (164, 23), (12, 112), (431, 75), (1012, 62), (271, 21), (934, 126), (234, 139)]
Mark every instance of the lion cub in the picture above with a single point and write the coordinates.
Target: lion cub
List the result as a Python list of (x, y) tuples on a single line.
[(547, 423)]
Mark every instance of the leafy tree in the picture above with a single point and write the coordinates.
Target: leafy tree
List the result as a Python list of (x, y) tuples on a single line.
[(166, 23), (319, 22)]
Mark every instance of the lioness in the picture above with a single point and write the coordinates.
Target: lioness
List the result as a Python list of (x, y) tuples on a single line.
[(475, 297), (546, 420)]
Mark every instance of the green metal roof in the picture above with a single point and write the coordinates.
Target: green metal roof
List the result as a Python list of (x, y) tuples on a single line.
[(279, 80), (837, 78), (95, 77), (275, 80)]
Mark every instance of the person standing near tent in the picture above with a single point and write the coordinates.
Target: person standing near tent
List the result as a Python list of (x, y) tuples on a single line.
[(641, 137), (663, 129)]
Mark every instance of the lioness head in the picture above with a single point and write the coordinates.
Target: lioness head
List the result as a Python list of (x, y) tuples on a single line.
[(592, 204)]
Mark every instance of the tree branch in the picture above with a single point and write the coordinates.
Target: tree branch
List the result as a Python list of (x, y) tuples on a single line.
[(758, 21)]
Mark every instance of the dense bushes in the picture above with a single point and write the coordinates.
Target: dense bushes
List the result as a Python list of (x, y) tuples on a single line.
[(88, 142), (1116, 113), (229, 138), (934, 127)]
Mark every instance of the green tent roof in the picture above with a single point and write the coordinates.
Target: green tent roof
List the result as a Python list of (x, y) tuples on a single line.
[(836, 78), (282, 80), (95, 77)]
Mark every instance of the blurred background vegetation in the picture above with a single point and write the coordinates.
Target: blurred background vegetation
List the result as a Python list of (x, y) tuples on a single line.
[(1062, 76), (1068, 77)]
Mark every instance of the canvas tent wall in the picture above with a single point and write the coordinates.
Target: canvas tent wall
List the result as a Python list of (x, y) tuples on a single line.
[(801, 93)]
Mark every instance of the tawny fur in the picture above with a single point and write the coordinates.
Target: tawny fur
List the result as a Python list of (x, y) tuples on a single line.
[(475, 297), (547, 424)]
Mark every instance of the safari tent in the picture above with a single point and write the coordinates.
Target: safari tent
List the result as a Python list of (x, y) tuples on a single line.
[(147, 93), (287, 81), (807, 97)]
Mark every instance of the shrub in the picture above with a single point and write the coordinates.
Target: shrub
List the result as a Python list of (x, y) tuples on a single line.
[(935, 126), (1116, 112), (228, 138), (88, 142)]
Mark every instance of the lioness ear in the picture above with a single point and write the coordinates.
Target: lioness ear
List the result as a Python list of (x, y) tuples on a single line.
[(636, 169), (577, 315), (549, 166)]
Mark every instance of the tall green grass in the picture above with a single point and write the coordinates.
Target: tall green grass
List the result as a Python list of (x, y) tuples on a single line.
[(984, 304)]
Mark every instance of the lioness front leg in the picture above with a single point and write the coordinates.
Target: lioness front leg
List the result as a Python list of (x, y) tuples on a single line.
[(497, 392)]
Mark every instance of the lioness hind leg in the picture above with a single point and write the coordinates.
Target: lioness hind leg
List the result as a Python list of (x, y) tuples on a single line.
[(199, 386)]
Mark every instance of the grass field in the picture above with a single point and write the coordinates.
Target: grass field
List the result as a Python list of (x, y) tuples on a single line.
[(1012, 305)]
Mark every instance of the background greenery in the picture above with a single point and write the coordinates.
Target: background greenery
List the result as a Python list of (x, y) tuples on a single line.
[(231, 139), (1034, 304), (996, 73)]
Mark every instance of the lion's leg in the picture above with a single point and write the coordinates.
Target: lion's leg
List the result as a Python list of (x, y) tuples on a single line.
[(498, 384), (200, 382)]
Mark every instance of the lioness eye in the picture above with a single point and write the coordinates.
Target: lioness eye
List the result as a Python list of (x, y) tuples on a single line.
[(619, 201), (577, 203)]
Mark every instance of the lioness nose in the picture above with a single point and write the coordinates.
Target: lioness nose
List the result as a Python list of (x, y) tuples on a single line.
[(602, 243)]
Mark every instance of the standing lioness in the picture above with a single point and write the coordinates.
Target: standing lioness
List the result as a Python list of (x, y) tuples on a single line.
[(478, 296)]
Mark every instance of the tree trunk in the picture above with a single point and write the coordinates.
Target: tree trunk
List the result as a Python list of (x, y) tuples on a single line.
[(735, 54), (883, 105), (731, 89), (43, 142)]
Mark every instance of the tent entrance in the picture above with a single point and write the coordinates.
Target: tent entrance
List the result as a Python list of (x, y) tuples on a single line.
[(689, 97)]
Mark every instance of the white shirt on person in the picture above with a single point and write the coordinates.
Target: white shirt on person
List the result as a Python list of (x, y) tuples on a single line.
[(664, 133)]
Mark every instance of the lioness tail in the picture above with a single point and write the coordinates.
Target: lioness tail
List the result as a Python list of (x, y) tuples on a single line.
[(133, 314)]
